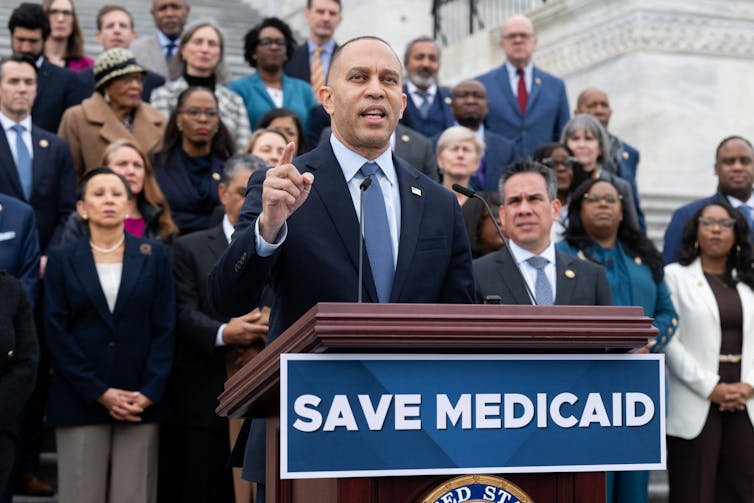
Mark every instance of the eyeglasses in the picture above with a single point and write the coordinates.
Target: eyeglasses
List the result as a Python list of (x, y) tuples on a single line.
[(266, 42), (568, 162), (194, 113), (596, 198), (514, 36), (60, 12), (725, 223)]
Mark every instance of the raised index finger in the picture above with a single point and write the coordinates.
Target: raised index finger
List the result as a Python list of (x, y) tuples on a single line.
[(287, 154)]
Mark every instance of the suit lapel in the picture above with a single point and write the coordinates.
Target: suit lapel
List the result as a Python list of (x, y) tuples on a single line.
[(8, 170), (412, 210), (41, 149), (509, 277), (505, 82), (216, 242), (331, 188), (86, 271), (565, 283), (134, 257), (256, 81), (704, 291), (536, 90)]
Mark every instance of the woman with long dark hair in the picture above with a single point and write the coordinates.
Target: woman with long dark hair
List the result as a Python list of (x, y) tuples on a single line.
[(710, 362), (189, 166), (287, 122), (600, 231)]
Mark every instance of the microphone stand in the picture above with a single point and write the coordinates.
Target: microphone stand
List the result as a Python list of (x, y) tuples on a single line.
[(362, 188), (472, 193)]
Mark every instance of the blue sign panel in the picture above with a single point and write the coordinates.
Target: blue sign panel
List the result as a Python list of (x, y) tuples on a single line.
[(380, 415)]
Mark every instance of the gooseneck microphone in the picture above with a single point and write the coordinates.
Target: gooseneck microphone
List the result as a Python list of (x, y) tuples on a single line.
[(362, 188), (472, 193)]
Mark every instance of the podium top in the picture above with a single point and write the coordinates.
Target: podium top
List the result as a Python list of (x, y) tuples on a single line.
[(433, 328)]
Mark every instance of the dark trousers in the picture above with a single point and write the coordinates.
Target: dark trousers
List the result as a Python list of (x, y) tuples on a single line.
[(718, 465), (7, 454)]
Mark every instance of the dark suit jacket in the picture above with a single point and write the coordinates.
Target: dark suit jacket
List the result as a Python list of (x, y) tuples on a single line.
[(674, 232), (439, 118), (57, 90), (629, 165), (546, 112), (19, 351), (199, 372), (411, 146), (190, 211), (151, 82), (93, 349), (318, 262), (53, 194), (298, 65), (19, 243), (496, 274)]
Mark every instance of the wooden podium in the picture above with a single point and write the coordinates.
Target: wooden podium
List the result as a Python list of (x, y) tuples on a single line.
[(425, 328)]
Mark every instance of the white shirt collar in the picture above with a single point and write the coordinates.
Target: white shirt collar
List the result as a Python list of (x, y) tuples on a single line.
[(521, 254), (164, 40), (412, 89), (351, 162), (7, 123), (737, 202), (227, 228), (328, 47)]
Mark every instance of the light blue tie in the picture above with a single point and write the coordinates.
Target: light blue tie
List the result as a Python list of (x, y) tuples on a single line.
[(542, 286), (377, 234), (425, 105), (746, 210), (23, 165)]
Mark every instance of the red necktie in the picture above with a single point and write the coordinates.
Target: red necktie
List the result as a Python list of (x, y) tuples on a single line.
[(523, 95)]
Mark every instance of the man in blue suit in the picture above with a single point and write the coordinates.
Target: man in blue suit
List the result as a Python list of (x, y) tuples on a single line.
[(19, 244), (734, 167), (623, 159), (323, 18), (470, 107), (57, 88), (428, 105), (299, 227), (527, 105), (45, 180)]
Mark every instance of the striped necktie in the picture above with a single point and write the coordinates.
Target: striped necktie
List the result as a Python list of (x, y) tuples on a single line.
[(317, 72)]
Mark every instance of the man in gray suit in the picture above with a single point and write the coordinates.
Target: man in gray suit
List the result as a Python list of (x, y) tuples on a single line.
[(529, 207)]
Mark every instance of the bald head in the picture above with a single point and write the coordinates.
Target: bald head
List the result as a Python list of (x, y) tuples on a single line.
[(470, 105), (518, 41), (594, 101)]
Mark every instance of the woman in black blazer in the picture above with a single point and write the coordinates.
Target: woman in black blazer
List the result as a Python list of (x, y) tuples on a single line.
[(109, 314)]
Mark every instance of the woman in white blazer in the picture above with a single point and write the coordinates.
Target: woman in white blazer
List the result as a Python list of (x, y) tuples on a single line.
[(710, 361)]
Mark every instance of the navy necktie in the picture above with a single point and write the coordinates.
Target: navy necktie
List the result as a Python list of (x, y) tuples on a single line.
[(170, 49), (377, 238), (425, 105), (747, 212), (542, 286), (23, 163)]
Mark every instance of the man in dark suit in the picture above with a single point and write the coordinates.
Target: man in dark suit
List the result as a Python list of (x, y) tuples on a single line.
[(428, 105), (470, 107), (623, 159), (19, 243), (115, 28), (527, 105), (299, 227), (311, 60), (529, 207), (411, 146), (45, 180), (57, 88), (206, 344), (734, 167)]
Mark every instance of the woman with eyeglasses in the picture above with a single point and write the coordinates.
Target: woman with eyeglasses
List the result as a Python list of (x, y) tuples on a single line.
[(267, 46), (588, 141), (560, 159), (201, 52), (710, 363), (189, 166), (600, 231), (115, 110), (65, 45)]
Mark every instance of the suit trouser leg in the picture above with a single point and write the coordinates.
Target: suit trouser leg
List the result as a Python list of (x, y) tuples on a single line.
[(134, 463), (692, 464), (83, 462), (7, 451)]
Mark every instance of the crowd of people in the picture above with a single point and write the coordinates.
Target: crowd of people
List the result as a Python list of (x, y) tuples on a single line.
[(160, 223)]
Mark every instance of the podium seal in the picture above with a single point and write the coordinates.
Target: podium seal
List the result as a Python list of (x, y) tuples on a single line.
[(477, 489)]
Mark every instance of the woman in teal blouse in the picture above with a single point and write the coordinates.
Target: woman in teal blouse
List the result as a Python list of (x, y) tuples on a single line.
[(599, 231), (266, 47)]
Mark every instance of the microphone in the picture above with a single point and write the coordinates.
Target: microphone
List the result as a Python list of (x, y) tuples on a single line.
[(362, 188), (472, 193)]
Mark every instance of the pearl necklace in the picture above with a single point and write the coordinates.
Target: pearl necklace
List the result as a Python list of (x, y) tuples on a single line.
[(108, 250)]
